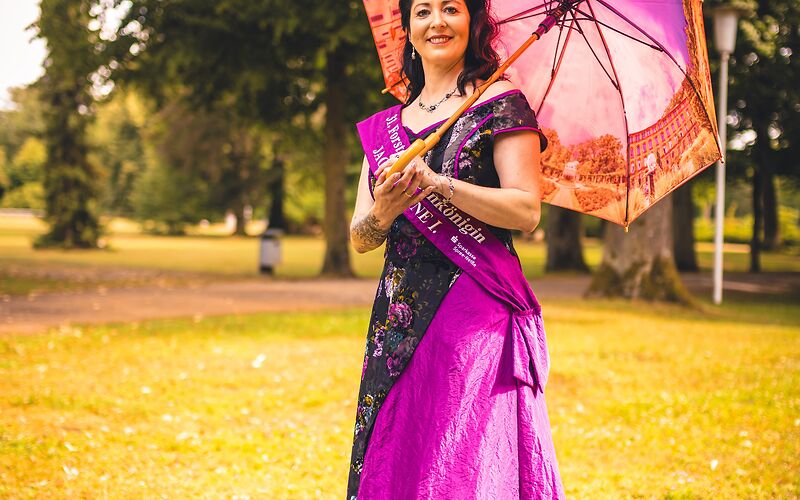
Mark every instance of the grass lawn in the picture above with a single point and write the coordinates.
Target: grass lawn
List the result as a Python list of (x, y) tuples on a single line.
[(138, 259), (645, 400)]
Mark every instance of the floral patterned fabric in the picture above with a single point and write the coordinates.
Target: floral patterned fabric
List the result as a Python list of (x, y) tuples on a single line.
[(416, 275)]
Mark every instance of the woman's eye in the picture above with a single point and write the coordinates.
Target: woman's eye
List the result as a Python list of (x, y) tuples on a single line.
[(423, 12), (450, 10)]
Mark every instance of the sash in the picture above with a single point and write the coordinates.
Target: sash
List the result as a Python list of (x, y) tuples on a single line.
[(470, 245)]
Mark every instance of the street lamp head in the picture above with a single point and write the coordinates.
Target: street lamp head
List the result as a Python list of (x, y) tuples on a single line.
[(726, 19)]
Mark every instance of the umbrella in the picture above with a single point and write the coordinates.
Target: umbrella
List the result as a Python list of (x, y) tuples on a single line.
[(621, 88)]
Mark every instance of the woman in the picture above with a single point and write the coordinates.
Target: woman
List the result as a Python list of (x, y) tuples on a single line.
[(451, 403)]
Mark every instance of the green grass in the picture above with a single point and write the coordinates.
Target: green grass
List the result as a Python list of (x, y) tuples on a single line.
[(646, 401), (213, 257), (736, 258)]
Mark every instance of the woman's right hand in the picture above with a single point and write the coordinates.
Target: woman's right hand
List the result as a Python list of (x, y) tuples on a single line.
[(393, 195)]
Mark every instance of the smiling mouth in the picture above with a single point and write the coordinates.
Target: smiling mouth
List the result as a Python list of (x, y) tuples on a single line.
[(439, 40)]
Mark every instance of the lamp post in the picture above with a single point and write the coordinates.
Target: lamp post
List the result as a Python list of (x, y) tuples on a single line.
[(726, 20)]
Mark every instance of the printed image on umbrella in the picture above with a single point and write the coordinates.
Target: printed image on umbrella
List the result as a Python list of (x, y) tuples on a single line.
[(622, 90)]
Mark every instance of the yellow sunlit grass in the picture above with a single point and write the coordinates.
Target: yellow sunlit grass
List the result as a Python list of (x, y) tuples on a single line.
[(645, 401)]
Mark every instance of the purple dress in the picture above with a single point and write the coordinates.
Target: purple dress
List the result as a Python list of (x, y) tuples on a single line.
[(440, 414)]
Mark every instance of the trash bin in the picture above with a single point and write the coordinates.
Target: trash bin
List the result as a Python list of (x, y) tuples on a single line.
[(270, 254)]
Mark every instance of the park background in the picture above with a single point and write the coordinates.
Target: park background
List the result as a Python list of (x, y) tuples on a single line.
[(139, 170)]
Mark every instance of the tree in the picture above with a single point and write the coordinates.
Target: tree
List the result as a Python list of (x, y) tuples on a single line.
[(277, 188), (563, 236), (338, 37), (5, 181), (241, 175), (683, 229), (166, 199), (764, 100), (600, 155), (275, 60), (71, 179), (639, 264), (22, 152), (29, 161), (118, 144), (563, 227), (23, 176), (214, 151), (23, 120)]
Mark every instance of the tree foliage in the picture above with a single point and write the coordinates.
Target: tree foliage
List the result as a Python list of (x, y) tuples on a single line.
[(764, 105), (600, 155), (118, 144), (273, 62), (22, 152)]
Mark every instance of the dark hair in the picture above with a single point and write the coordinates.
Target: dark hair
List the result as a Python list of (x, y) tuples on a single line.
[(480, 59)]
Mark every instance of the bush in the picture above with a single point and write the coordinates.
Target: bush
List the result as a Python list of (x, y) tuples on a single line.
[(166, 200), (30, 195)]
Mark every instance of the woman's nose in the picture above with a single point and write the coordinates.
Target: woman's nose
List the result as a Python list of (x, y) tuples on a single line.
[(437, 19)]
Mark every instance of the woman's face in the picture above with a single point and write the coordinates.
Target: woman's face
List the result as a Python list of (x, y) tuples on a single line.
[(439, 30)]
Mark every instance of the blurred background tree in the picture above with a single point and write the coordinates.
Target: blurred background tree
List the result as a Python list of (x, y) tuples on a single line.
[(71, 179), (307, 64), (764, 104), (21, 135), (118, 144), (563, 228)]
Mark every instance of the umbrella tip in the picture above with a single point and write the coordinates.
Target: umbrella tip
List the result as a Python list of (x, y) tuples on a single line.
[(385, 90), (626, 228)]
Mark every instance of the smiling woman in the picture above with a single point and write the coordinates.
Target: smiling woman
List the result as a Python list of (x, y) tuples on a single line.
[(455, 39), (451, 401)]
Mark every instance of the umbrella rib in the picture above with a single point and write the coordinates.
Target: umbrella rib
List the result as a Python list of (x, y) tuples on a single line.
[(521, 17), (624, 116), (555, 53), (594, 19), (613, 82), (560, 22), (525, 14), (640, 30), (555, 70)]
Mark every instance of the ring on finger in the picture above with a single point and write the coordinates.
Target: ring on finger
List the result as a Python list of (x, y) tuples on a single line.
[(409, 195)]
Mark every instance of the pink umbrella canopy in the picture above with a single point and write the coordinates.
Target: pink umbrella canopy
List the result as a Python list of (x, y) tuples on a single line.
[(621, 89)]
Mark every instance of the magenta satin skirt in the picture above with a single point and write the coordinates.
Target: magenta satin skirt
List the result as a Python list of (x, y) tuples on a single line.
[(457, 424)]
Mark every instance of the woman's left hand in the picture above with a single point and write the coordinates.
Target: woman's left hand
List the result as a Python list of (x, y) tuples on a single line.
[(428, 177)]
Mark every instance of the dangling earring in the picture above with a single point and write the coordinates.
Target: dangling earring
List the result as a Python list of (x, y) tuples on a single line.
[(413, 53)]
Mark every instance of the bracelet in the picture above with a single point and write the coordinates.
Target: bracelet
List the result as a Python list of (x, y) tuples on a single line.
[(452, 188)]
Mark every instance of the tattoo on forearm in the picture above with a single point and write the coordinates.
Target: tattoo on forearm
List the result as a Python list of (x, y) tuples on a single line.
[(367, 233)]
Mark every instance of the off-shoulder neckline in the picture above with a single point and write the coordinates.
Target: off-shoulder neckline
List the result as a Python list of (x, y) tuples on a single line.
[(469, 110)]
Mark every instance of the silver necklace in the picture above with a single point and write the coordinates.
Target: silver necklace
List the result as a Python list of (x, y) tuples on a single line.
[(432, 107)]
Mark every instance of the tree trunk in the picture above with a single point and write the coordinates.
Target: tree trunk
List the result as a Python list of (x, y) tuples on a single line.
[(683, 228), (563, 236), (761, 154), (276, 216), (70, 180), (337, 255), (758, 216), (639, 264), (241, 221), (772, 237)]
